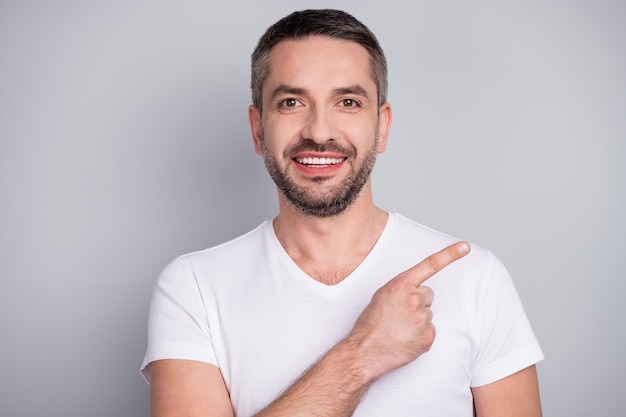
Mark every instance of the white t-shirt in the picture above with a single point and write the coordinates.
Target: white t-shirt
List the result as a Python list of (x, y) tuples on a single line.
[(247, 308)]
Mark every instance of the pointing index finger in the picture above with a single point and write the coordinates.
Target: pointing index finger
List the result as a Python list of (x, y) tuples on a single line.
[(437, 261)]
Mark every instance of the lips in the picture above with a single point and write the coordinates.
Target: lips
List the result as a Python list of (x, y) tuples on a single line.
[(319, 161), (308, 152)]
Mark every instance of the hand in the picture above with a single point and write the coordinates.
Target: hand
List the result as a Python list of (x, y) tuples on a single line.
[(396, 327)]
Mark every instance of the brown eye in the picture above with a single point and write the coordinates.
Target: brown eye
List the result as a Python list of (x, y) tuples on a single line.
[(290, 102), (348, 102)]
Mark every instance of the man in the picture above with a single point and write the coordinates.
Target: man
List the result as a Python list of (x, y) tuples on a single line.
[(323, 311)]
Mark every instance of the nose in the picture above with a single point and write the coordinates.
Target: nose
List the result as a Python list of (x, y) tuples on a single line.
[(319, 126)]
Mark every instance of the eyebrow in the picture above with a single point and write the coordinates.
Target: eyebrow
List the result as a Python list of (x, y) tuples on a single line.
[(286, 89), (355, 89)]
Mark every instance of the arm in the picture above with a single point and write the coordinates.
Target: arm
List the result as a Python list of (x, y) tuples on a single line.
[(514, 396), (187, 388), (331, 387)]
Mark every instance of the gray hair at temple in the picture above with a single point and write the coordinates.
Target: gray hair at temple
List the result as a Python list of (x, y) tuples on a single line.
[(327, 22)]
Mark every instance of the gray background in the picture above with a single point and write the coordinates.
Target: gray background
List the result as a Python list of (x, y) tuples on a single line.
[(124, 142)]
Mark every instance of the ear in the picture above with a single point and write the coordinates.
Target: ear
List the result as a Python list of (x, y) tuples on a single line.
[(384, 124), (254, 119)]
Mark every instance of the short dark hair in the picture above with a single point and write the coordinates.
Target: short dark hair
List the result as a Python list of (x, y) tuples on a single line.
[(326, 22)]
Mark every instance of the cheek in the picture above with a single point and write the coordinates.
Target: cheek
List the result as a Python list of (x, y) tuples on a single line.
[(362, 134), (279, 133)]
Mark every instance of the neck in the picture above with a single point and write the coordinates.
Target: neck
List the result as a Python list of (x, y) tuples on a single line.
[(328, 249)]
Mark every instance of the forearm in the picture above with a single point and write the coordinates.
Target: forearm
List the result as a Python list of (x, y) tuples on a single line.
[(332, 387)]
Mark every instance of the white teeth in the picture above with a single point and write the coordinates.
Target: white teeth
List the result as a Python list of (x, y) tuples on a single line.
[(319, 161)]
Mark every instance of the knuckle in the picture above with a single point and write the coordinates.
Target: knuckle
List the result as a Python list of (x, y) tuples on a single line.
[(401, 284), (431, 263), (423, 316), (425, 295), (431, 332)]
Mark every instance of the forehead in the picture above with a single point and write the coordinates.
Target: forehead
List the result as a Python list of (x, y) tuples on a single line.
[(318, 61)]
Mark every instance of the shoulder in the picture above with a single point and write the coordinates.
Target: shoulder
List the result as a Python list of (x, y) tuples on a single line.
[(221, 259), (410, 236), (247, 243)]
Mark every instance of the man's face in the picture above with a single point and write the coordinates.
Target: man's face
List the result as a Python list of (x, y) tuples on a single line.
[(320, 128)]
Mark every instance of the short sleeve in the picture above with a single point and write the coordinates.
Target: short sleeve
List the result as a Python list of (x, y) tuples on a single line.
[(507, 343), (177, 323)]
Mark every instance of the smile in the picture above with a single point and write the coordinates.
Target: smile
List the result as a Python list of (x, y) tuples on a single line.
[(319, 161)]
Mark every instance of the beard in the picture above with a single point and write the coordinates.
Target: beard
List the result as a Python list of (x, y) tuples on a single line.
[(316, 203)]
